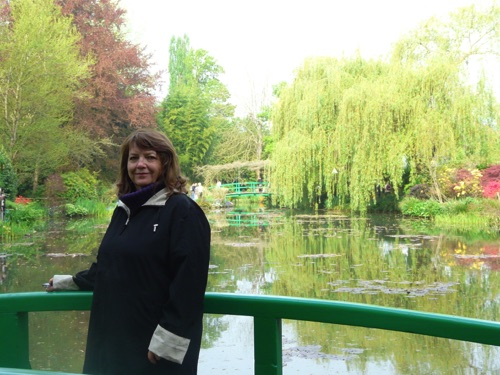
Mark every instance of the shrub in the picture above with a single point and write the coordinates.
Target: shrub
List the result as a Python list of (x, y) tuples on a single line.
[(22, 200), (75, 210), (468, 183), (491, 181), (8, 177), (492, 190), (490, 174), (26, 213), (420, 208), (459, 206), (80, 184), (420, 191), (460, 183), (385, 203)]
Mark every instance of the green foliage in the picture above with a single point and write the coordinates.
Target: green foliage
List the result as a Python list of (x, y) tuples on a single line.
[(86, 207), (461, 206), (468, 215), (81, 184), (75, 210), (187, 124), (348, 125), (41, 71), (485, 207), (86, 196), (27, 214), (8, 177), (385, 203), (420, 208), (469, 223), (196, 105)]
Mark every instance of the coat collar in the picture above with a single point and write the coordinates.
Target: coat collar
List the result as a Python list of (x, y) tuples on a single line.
[(131, 204)]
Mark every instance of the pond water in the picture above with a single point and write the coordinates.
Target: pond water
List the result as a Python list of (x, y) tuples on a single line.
[(380, 260)]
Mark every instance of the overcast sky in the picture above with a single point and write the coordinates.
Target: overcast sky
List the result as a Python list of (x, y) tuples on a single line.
[(261, 42)]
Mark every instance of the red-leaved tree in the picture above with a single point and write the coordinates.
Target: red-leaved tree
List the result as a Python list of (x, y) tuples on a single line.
[(120, 92)]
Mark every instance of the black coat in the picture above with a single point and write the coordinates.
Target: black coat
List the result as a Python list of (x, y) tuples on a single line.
[(151, 270)]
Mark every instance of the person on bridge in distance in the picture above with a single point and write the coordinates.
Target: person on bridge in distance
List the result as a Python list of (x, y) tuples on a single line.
[(151, 272)]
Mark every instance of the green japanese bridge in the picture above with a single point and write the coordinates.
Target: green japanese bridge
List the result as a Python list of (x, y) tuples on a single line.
[(245, 189), (267, 312)]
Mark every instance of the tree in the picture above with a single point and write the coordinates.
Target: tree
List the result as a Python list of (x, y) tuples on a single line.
[(244, 140), (346, 126), (121, 87), (41, 71), (469, 34), (188, 125), (196, 105), (469, 37), (8, 177)]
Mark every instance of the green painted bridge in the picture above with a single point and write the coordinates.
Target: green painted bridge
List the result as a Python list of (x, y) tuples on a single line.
[(267, 312), (245, 189)]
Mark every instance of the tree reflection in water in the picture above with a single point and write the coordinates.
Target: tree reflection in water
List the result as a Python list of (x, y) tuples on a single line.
[(380, 260)]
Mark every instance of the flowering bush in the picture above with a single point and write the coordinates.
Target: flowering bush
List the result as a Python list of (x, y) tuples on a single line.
[(492, 190), (461, 183), (22, 200), (491, 181)]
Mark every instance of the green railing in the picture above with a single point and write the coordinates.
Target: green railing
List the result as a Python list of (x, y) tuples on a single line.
[(250, 188), (268, 312)]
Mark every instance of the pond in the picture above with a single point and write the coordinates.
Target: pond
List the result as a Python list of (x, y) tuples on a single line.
[(380, 260)]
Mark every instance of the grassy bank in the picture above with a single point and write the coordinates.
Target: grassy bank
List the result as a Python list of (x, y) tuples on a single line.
[(465, 215)]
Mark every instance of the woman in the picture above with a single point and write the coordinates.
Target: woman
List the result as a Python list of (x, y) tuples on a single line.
[(151, 271)]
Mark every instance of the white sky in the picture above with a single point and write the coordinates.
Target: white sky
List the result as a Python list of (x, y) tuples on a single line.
[(261, 42)]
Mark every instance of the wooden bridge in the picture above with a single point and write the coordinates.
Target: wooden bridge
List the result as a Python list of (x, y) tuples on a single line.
[(245, 189)]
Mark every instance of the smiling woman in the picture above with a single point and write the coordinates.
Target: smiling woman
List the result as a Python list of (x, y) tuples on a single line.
[(144, 166), (150, 278), (148, 156)]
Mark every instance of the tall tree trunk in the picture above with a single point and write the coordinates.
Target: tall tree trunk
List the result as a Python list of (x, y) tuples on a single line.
[(36, 173)]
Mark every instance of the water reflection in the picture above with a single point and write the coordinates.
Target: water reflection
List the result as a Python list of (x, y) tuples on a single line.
[(375, 261), (3, 268), (379, 260)]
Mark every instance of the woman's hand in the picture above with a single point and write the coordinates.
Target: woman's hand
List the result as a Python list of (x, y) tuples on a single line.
[(153, 358), (50, 288)]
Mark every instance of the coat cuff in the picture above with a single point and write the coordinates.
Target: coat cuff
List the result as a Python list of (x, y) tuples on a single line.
[(64, 282), (168, 345)]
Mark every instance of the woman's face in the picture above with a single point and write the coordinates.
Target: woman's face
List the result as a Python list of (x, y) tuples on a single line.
[(143, 166)]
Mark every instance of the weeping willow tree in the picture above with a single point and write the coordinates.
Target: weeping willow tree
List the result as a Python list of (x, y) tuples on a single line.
[(346, 126)]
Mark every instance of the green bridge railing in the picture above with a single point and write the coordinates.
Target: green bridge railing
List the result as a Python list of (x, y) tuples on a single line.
[(268, 313), (249, 188)]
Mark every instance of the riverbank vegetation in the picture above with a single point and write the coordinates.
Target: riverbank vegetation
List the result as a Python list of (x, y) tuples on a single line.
[(348, 128), (415, 133)]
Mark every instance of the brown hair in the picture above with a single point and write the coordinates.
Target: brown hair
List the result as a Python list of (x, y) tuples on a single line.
[(150, 139)]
